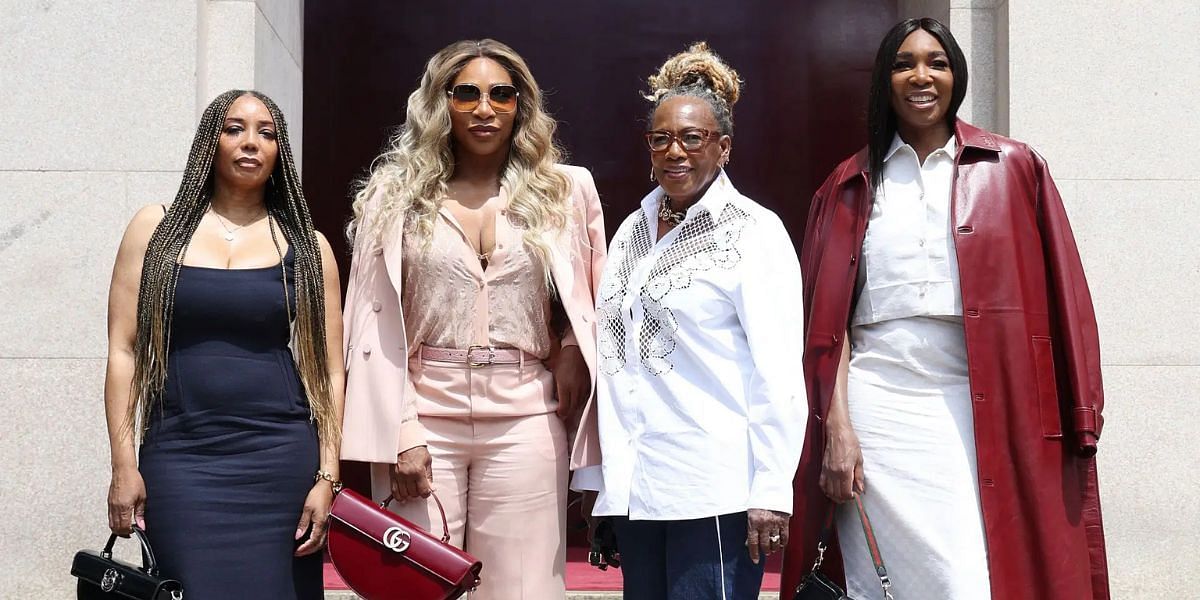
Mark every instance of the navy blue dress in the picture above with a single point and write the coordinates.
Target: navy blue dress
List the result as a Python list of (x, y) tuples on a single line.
[(230, 458)]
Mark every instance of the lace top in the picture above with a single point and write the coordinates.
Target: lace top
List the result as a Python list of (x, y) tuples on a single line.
[(451, 301)]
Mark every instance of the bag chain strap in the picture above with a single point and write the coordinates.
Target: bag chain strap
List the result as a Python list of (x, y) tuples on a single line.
[(872, 546)]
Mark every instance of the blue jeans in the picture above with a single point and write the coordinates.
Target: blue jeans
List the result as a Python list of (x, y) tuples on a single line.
[(698, 559)]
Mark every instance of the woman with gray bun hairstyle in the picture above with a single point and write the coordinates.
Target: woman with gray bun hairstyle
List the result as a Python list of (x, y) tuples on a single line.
[(698, 330)]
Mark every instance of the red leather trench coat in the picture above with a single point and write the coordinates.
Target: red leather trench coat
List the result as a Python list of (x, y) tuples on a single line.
[(1033, 358)]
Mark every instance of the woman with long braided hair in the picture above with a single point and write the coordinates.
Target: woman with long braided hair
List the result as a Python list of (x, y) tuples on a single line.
[(223, 397), (468, 239)]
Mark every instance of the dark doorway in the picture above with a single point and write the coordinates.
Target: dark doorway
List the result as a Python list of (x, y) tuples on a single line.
[(806, 64)]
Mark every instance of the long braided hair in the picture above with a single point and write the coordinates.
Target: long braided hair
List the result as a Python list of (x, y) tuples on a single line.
[(286, 205)]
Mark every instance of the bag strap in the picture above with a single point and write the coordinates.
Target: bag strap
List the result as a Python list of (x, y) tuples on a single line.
[(441, 510), (872, 545), (873, 548), (149, 564), (823, 541)]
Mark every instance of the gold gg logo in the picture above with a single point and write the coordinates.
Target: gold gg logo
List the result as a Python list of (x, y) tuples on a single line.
[(109, 581), (396, 539)]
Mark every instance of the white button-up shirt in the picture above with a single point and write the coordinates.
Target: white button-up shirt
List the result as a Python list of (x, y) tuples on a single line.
[(909, 264), (701, 395)]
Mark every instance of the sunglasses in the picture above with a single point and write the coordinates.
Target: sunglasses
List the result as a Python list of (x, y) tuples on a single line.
[(465, 97), (691, 140)]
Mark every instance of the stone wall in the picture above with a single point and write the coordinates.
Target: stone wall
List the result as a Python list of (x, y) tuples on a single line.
[(98, 105)]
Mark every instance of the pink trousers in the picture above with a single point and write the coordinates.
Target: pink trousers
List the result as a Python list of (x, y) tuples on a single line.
[(502, 479)]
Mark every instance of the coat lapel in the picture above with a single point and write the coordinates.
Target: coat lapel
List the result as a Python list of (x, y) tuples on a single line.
[(562, 268), (393, 247)]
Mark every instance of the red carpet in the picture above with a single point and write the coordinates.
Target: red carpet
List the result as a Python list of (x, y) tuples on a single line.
[(583, 577)]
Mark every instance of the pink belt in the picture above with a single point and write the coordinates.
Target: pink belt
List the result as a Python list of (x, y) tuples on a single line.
[(478, 356)]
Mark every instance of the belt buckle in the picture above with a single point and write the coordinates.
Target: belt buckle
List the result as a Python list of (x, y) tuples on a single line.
[(490, 359)]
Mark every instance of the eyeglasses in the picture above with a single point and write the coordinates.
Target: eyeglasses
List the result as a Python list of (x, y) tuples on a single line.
[(691, 140), (465, 97)]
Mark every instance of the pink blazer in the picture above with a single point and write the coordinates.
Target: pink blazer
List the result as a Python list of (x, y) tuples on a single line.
[(380, 415)]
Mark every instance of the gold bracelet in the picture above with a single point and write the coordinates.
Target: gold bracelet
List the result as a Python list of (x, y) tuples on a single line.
[(326, 476)]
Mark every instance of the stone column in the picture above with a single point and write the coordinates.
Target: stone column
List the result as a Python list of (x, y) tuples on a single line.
[(256, 44)]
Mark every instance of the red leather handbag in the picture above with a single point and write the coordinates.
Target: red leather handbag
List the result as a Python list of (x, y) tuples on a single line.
[(381, 556)]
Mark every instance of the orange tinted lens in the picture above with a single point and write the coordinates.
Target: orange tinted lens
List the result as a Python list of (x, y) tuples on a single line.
[(503, 98), (464, 97)]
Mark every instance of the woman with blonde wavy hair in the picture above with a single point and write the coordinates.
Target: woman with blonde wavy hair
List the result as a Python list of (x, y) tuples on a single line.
[(469, 317), (699, 405)]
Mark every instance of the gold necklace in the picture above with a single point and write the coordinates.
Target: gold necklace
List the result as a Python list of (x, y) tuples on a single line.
[(667, 215), (229, 232)]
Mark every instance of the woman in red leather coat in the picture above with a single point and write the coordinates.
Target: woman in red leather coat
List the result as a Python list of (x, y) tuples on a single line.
[(951, 355)]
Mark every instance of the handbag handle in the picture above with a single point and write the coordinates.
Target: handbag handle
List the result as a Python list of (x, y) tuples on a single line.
[(149, 564), (441, 510), (872, 545)]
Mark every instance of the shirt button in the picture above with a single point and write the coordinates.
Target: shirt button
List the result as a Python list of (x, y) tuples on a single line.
[(378, 251), (922, 243), (366, 350), (376, 306)]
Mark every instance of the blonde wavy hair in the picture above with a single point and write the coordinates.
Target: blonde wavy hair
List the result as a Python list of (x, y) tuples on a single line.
[(411, 174), (698, 72)]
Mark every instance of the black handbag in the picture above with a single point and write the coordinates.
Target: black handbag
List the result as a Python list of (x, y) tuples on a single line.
[(817, 586), (101, 577)]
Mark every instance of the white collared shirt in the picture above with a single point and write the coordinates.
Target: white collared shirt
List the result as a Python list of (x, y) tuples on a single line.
[(701, 394), (909, 264)]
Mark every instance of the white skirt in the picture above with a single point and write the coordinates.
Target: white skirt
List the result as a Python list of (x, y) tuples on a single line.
[(910, 404)]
